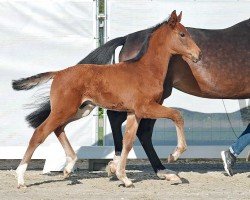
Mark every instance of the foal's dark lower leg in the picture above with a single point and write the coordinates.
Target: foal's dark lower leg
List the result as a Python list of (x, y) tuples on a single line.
[(144, 133)]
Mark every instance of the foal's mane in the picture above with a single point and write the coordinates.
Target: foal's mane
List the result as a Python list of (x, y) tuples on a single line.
[(145, 44)]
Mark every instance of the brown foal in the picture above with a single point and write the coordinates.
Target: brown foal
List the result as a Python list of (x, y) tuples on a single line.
[(135, 86)]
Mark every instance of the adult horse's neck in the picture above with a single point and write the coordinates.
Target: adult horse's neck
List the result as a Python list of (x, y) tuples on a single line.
[(157, 56), (224, 71)]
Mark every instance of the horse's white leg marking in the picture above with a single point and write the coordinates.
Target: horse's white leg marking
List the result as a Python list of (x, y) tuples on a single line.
[(112, 165), (181, 140), (121, 175), (20, 174), (71, 157), (70, 165)]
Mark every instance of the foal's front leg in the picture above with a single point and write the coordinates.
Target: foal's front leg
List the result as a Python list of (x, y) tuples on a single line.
[(144, 133), (155, 111), (129, 138)]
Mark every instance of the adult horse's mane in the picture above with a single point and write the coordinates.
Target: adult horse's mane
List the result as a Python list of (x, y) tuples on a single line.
[(239, 24), (103, 55), (144, 47), (151, 30)]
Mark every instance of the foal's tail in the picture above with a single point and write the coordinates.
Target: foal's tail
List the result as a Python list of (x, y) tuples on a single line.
[(33, 81)]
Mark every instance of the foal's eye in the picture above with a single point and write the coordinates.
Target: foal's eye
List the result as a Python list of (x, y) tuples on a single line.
[(182, 34)]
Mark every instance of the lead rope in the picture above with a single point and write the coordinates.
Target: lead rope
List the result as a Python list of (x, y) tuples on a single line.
[(229, 118)]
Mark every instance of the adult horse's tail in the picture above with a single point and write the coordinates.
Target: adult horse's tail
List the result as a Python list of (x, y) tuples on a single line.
[(102, 55)]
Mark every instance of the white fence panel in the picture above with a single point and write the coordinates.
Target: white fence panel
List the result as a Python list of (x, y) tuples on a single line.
[(35, 37)]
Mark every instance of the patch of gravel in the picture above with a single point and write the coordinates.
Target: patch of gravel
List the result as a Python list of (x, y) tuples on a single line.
[(201, 179)]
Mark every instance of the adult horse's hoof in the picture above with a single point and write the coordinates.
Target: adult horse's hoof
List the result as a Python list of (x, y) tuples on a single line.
[(168, 175), (171, 158)]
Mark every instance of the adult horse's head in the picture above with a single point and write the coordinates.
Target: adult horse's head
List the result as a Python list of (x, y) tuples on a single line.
[(181, 41)]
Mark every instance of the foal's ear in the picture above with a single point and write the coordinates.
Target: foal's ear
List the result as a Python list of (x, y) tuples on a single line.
[(179, 17), (172, 20)]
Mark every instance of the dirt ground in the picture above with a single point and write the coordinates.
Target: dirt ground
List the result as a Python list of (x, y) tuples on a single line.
[(201, 179)]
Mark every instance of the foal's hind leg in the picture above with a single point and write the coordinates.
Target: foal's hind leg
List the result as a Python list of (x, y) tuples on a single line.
[(129, 137), (60, 133), (70, 153), (155, 111), (40, 134), (56, 118)]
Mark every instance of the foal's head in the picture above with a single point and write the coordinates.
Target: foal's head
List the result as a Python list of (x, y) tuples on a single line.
[(181, 41)]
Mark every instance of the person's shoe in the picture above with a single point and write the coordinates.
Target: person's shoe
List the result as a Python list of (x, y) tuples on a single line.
[(228, 161)]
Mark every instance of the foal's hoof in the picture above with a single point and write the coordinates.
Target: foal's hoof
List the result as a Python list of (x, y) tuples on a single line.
[(171, 158), (129, 185), (109, 169), (168, 175), (66, 174), (20, 186)]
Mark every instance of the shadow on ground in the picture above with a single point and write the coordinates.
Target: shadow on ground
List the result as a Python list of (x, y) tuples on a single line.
[(140, 170)]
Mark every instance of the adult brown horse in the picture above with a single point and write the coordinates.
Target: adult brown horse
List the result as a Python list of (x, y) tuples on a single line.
[(221, 78), (135, 86), (224, 73)]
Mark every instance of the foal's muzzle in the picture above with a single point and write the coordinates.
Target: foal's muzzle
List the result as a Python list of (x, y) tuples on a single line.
[(195, 59)]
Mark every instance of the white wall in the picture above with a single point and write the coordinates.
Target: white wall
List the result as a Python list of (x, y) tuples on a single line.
[(35, 37)]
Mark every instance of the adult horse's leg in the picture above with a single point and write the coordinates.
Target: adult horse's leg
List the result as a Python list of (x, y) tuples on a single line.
[(144, 133), (155, 111), (71, 157), (129, 137), (116, 119)]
